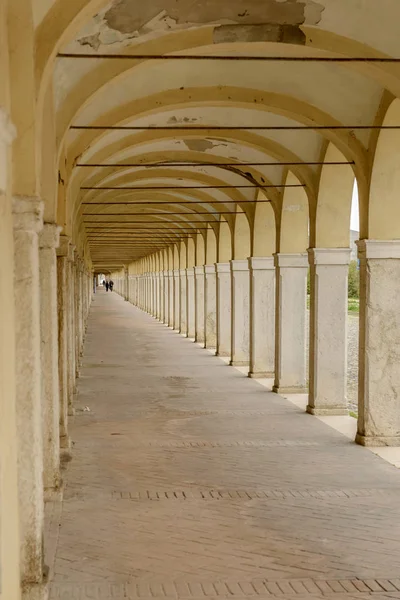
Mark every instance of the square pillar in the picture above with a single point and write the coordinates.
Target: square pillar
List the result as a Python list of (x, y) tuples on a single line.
[(210, 314), (199, 304), (379, 353), (28, 222), (165, 307), (170, 299), (190, 301), (71, 330), (183, 302), (240, 297), (223, 273), (49, 239), (262, 317), (328, 330), (160, 307), (126, 284), (62, 311), (290, 323), (177, 298)]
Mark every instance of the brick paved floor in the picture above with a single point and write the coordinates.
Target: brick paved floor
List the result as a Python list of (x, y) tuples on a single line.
[(190, 480)]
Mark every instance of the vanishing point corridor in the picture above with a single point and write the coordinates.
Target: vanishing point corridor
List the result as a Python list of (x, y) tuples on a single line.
[(190, 480)]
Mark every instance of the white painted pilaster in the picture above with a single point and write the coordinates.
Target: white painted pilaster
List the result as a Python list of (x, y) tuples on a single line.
[(262, 317), (328, 330), (199, 303), (240, 332), (190, 298), (210, 315), (379, 355), (224, 301), (28, 222), (290, 331), (49, 239)]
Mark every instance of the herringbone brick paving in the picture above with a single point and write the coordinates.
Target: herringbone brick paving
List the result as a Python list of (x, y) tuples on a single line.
[(190, 480)]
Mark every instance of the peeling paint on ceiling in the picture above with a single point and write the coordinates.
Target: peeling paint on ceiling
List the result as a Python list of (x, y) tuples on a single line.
[(129, 16)]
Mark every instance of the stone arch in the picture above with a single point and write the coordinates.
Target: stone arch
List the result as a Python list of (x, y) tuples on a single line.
[(332, 219), (264, 231), (211, 246), (224, 242), (384, 207), (294, 219), (242, 237)]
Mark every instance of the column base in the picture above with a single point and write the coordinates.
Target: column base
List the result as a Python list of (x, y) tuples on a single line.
[(289, 390), (35, 591), (327, 411), (378, 441), (262, 375), (239, 363), (222, 354), (65, 442), (55, 494)]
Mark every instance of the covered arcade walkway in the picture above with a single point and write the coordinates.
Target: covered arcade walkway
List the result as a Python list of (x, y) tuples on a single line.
[(189, 480)]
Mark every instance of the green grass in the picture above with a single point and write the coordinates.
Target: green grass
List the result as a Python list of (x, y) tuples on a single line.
[(354, 305), (353, 414)]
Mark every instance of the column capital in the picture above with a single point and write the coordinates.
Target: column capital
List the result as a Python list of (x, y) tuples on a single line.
[(222, 267), (175, 272), (170, 273), (182, 272), (329, 256), (190, 272), (199, 270), (239, 265), (63, 246), (49, 237), (27, 213), (209, 269), (262, 263), (299, 260), (378, 249)]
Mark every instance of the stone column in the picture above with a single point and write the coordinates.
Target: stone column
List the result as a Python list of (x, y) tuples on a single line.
[(171, 299), (126, 285), (199, 303), (48, 242), (165, 305), (28, 222), (177, 294), (328, 330), (240, 333), (379, 358), (262, 317), (224, 316), (190, 296), (183, 302), (290, 323), (63, 307), (71, 330), (210, 314)]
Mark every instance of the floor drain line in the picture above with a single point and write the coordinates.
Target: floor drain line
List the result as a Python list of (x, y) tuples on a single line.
[(189, 494)]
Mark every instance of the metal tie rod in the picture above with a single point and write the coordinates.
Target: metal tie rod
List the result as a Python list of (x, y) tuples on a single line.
[(193, 187), (230, 127), (340, 59), (227, 164), (163, 203)]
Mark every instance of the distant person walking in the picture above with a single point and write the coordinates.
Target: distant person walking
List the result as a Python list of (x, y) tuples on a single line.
[(111, 284), (107, 286)]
